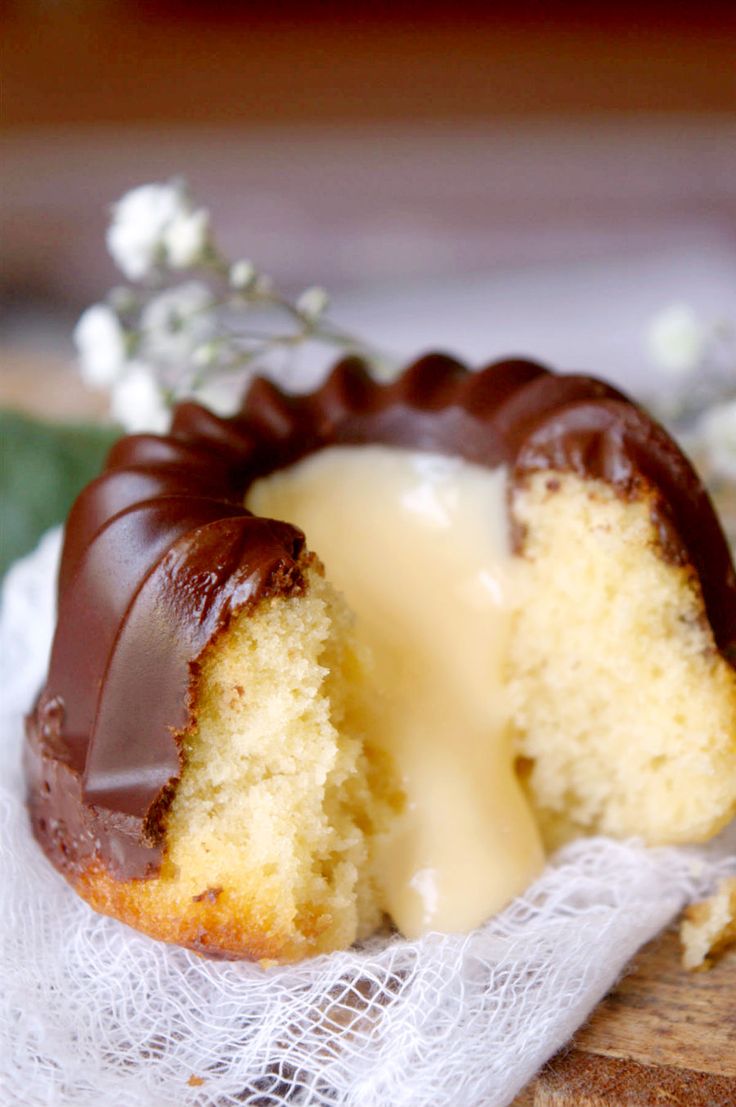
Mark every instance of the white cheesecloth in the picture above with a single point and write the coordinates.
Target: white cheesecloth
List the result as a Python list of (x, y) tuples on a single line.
[(96, 1015)]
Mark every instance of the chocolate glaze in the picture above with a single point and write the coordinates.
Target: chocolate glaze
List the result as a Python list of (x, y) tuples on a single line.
[(160, 553)]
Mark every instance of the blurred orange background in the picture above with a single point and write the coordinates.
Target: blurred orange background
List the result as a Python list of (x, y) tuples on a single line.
[(111, 61), (362, 146)]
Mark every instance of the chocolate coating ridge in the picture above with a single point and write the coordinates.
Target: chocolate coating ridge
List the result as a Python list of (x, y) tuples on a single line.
[(160, 554)]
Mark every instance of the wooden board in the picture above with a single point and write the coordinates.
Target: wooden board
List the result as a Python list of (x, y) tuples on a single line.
[(663, 1037)]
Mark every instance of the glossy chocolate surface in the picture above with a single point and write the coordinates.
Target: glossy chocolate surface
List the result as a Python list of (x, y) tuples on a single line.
[(160, 553)]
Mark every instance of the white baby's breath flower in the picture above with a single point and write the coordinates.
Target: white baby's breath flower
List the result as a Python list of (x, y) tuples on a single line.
[(313, 303), (191, 338), (100, 342), (716, 432), (186, 238), (242, 274), (137, 402), (205, 355), (139, 221), (177, 321), (677, 339)]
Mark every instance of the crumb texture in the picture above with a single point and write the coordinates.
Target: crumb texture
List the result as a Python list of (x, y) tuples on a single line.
[(709, 927), (266, 847), (625, 714)]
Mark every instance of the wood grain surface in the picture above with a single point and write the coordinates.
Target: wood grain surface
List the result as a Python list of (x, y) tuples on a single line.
[(663, 1036)]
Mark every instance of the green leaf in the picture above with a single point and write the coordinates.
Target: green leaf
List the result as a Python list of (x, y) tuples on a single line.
[(43, 466)]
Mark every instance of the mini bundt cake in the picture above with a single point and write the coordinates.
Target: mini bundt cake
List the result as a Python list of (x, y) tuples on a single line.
[(512, 621)]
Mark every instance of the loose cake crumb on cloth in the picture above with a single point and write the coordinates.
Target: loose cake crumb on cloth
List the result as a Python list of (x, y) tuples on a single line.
[(709, 927)]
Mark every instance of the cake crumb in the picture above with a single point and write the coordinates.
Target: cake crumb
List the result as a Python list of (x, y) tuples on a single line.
[(211, 895), (709, 927)]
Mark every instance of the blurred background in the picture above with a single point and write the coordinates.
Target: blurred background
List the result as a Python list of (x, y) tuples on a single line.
[(496, 178)]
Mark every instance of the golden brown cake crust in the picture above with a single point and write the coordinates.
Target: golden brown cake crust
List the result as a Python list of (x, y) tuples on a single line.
[(207, 925)]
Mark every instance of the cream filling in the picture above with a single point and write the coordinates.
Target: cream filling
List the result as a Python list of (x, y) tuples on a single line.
[(419, 546)]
